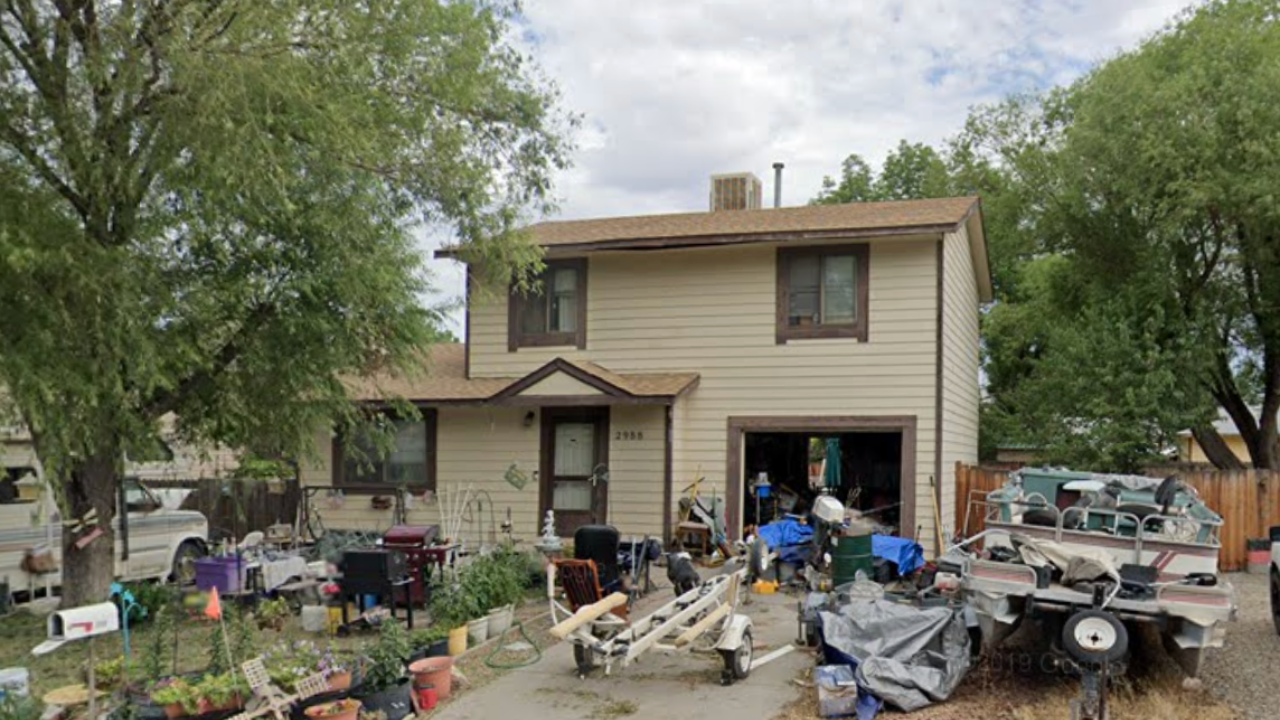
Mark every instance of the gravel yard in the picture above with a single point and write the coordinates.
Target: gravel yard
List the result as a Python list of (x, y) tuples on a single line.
[(1246, 674)]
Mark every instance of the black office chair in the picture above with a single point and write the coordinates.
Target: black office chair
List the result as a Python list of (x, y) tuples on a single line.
[(599, 544)]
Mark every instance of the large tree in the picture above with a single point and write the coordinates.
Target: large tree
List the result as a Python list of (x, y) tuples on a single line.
[(206, 210), (1160, 214)]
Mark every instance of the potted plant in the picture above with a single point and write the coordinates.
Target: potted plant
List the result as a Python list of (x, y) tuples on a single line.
[(335, 671), (431, 642), (506, 587), (224, 691), (385, 686), (273, 614), (178, 697), (452, 605), (346, 709)]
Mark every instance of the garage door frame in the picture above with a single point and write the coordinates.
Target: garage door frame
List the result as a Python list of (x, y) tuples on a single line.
[(738, 426)]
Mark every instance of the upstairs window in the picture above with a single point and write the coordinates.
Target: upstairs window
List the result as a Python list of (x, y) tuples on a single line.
[(822, 292), (554, 313)]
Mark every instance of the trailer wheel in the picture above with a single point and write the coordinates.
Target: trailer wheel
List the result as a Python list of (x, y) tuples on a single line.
[(1095, 637), (737, 663), (1275, 599), (584, 659)]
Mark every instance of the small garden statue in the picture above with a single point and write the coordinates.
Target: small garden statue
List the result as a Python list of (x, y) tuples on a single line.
[(549, 543)]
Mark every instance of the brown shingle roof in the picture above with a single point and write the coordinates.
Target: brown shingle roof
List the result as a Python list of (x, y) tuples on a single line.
[(924, 215), (643, 384), (442, 377)]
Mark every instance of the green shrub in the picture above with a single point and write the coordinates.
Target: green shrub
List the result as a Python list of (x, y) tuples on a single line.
[(388, 656)]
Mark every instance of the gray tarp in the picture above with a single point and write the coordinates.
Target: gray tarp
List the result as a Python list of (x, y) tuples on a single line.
[(907, 656)]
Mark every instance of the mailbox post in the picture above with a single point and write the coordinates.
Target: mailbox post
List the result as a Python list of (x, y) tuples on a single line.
[(82, 623)]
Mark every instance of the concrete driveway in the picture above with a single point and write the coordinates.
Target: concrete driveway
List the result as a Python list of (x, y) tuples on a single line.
[(658, 686)]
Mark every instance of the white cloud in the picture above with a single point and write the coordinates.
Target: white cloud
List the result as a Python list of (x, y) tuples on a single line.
[(675, 90)]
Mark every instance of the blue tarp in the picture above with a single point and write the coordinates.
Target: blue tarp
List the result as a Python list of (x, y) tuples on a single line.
[(906, 554), (790, 538)]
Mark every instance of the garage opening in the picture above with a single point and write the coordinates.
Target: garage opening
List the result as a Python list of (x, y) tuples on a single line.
[(794, 466)]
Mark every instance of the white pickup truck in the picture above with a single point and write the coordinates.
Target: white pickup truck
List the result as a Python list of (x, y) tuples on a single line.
[(163, 543)]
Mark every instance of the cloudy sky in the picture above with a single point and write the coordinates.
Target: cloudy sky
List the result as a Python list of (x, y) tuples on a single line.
[(672, 91)]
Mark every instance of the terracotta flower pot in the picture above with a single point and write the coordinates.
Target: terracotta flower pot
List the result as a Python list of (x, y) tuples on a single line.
[(173, 711), (340, 681), (338, 710), (436, 672)]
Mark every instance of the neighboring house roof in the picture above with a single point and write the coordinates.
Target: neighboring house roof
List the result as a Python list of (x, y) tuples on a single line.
[(1225, 426), (441, 377)]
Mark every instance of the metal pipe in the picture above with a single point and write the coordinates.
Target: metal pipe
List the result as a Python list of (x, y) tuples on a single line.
[(777, 184)]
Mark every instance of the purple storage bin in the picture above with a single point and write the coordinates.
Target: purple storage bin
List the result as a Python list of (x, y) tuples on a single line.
[(225, 573)]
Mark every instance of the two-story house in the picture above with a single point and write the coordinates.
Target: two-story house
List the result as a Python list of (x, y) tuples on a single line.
[(723, 344)]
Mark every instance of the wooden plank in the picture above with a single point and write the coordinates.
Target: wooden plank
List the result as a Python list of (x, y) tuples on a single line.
[(703, 625), (588, 613)]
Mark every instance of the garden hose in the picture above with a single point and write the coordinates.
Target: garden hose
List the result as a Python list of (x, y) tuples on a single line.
[(497, 648)]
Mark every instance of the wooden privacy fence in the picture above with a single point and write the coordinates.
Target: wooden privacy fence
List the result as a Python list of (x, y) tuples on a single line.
[(238, 507), (1247, 500)]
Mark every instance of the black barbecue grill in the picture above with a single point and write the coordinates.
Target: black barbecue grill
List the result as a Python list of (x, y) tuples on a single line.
[(375, 571)]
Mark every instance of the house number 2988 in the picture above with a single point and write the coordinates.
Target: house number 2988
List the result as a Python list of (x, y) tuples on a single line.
[(628, 435)]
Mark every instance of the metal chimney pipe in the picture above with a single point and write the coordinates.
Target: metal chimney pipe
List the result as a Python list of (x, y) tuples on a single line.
[(777, 184)]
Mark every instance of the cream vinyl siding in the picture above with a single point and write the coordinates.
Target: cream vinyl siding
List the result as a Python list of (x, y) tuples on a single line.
[(475, 447), (960, 348), (635, 468), (712, 311), (560, 384)]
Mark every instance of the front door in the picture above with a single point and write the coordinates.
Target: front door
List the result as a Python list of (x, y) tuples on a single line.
[(575, 466)]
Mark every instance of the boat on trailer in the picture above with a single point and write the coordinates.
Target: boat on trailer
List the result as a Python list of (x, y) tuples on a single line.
[(1085, 554)]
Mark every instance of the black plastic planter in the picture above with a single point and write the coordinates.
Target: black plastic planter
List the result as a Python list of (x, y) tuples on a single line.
[(394, 700)]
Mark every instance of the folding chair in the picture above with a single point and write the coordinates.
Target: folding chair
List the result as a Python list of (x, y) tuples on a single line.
[(581, 582), (595, 572)]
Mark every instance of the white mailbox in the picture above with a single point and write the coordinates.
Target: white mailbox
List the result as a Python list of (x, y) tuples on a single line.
[(78, 624)]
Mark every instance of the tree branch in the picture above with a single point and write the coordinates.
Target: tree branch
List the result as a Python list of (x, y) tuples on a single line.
[(167, 401)]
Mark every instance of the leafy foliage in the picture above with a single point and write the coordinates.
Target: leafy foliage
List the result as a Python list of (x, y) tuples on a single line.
[(206, 209), (1134, 233), (387, 658)]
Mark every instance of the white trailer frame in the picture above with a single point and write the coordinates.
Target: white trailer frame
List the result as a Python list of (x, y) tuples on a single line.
[(705, 619)]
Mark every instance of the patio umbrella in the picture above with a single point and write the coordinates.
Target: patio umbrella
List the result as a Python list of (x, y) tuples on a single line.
[(832, 477)]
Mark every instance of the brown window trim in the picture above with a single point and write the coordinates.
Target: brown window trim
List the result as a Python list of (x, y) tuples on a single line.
[(856, 329), (338, 471), (517, 339)]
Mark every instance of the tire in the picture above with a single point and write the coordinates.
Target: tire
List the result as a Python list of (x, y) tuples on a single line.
[(1095, 637), (737, 663), (184, 567), (1275, 599)]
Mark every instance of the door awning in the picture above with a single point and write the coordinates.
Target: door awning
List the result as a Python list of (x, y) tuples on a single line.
[(568, 382)]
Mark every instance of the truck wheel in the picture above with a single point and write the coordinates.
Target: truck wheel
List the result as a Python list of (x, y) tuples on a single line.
[(737, 663), (1095, 637), (1275, 599), (184, 563)]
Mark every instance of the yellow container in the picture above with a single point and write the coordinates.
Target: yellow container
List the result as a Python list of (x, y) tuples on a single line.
[(335, 620), (458, 640)]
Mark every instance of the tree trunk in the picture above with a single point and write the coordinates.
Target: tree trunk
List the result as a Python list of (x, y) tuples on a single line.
[(1215, 448), (87, 572)]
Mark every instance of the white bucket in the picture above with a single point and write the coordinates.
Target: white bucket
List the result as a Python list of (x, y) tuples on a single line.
[(15, 681), (315, 618), (478, 631)]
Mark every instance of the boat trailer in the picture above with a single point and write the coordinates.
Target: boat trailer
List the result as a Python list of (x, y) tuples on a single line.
[(704, 619)]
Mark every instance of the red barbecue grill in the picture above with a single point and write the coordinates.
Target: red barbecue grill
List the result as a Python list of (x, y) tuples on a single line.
[(415, 542)]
